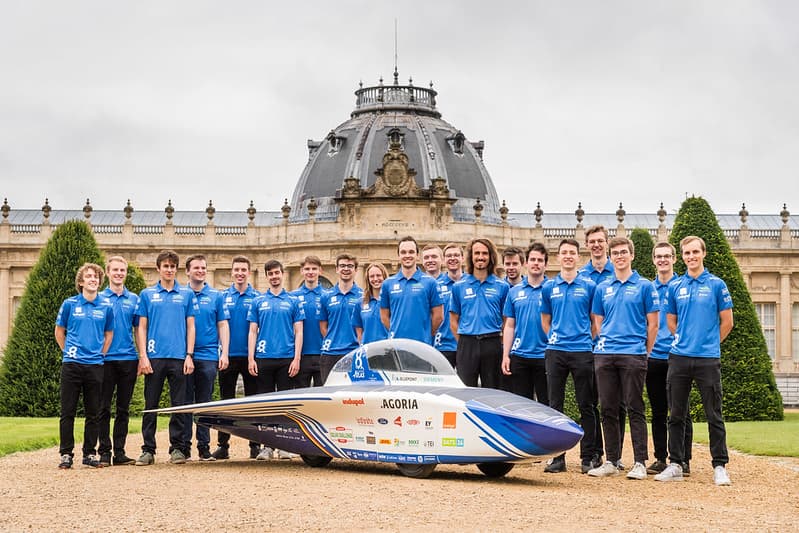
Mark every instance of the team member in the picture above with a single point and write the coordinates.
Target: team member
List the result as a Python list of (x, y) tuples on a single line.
[(410, 304), (84, 331), (275, 340), (443, 340), (165, 337), (663, 256), (367, 323), (524, 342), (565, 317), (453, 261), (338, 305), (121, 365), (625, 313), (476, 316), (239, 298), (211, 341), (513, 262), (309, 295), (699, 314)]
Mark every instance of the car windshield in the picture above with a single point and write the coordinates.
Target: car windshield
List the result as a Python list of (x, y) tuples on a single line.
[(399, 355)]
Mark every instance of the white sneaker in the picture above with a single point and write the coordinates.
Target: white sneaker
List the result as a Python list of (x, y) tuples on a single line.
[(606, 469), (638, 471), (264, 455), (673, 472), (283, 454), (720, 476)]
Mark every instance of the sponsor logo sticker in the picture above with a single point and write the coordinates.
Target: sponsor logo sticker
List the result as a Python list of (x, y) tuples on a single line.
[(450, 420)]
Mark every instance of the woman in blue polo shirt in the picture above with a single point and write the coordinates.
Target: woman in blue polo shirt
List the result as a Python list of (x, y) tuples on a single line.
[(366, 320)]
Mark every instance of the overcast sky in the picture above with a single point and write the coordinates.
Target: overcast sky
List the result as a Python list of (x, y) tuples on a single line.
[(601, 102)]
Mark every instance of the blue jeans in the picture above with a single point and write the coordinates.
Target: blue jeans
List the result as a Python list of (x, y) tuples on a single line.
[(199, 389)]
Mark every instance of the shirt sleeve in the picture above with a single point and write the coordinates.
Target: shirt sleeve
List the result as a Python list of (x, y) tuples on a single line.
[(507, 307), (455, 300), (546, 307), (109, 318), (597, 308), (62, 319), (384, 299)]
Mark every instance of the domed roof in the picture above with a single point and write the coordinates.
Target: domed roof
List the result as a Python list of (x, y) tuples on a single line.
[(434, 149)]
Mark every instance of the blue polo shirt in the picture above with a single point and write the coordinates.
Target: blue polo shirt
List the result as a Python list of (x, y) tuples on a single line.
[(166, 312), (697, 304), (238, 305), (444, 339), (569, 305), (368, 319), (624, 306), (86, 323), (123, 347), (410, 302), (665, 338), (597, 276), (338, 308), (211, 303), (479, 304), (311, 306), (275, 316), (523, 304)]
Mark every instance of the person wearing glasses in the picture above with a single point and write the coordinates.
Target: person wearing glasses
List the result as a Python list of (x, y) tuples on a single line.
[(337, 306), (624, 311)]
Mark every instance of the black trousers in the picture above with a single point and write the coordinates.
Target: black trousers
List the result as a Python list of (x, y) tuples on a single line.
[(228, 379), (77, 378), (450, 355), (479, 356), (706, 372), (310, 373), (620, 379), (528, 377), (273, 374), (326, 364), (656, 372), (119, 377), (170, 370), (581, 366)]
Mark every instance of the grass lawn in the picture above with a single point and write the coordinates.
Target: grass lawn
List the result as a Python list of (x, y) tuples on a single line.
[(760, 438), (22, 434)]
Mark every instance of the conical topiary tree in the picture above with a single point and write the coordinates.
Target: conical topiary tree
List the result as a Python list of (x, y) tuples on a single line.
[(643, 253), (30, 372), (750, 391)]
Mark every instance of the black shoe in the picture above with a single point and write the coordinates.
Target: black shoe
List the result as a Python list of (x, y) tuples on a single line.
[(555, 465), (254, 452), (105, 459), (686, 469), (123, 459), (221, 453), (66, 462), (590, 464), (205, 455), (91, 461), (657, 467)]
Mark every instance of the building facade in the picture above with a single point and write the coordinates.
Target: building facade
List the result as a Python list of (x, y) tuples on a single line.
[(395, 168)]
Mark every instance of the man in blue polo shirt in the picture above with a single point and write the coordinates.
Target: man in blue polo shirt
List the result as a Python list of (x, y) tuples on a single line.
[(476, 316), (663, 256), (84, 331), (566, 319), (513, 263), (275, 340), (432, 261), (625, 313), (211, 341), (337, 307), (524, 342), (453, 262), (239, 298), (309, 295), (699, 314), (410, 304), (165, 337), (121, 365)]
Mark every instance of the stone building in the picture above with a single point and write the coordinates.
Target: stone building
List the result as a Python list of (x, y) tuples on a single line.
[(396, 168)]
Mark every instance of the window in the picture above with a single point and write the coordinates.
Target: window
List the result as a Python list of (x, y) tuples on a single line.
[(767, 314), (795, 331)]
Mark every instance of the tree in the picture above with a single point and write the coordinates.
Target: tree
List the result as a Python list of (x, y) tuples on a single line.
[(643, 253), (750, 391), (30, 372)]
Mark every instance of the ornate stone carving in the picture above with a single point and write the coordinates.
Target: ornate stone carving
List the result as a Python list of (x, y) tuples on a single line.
[(395, 179)]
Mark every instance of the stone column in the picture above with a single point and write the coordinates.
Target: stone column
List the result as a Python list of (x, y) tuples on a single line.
[(784, 355), (5, 305)]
